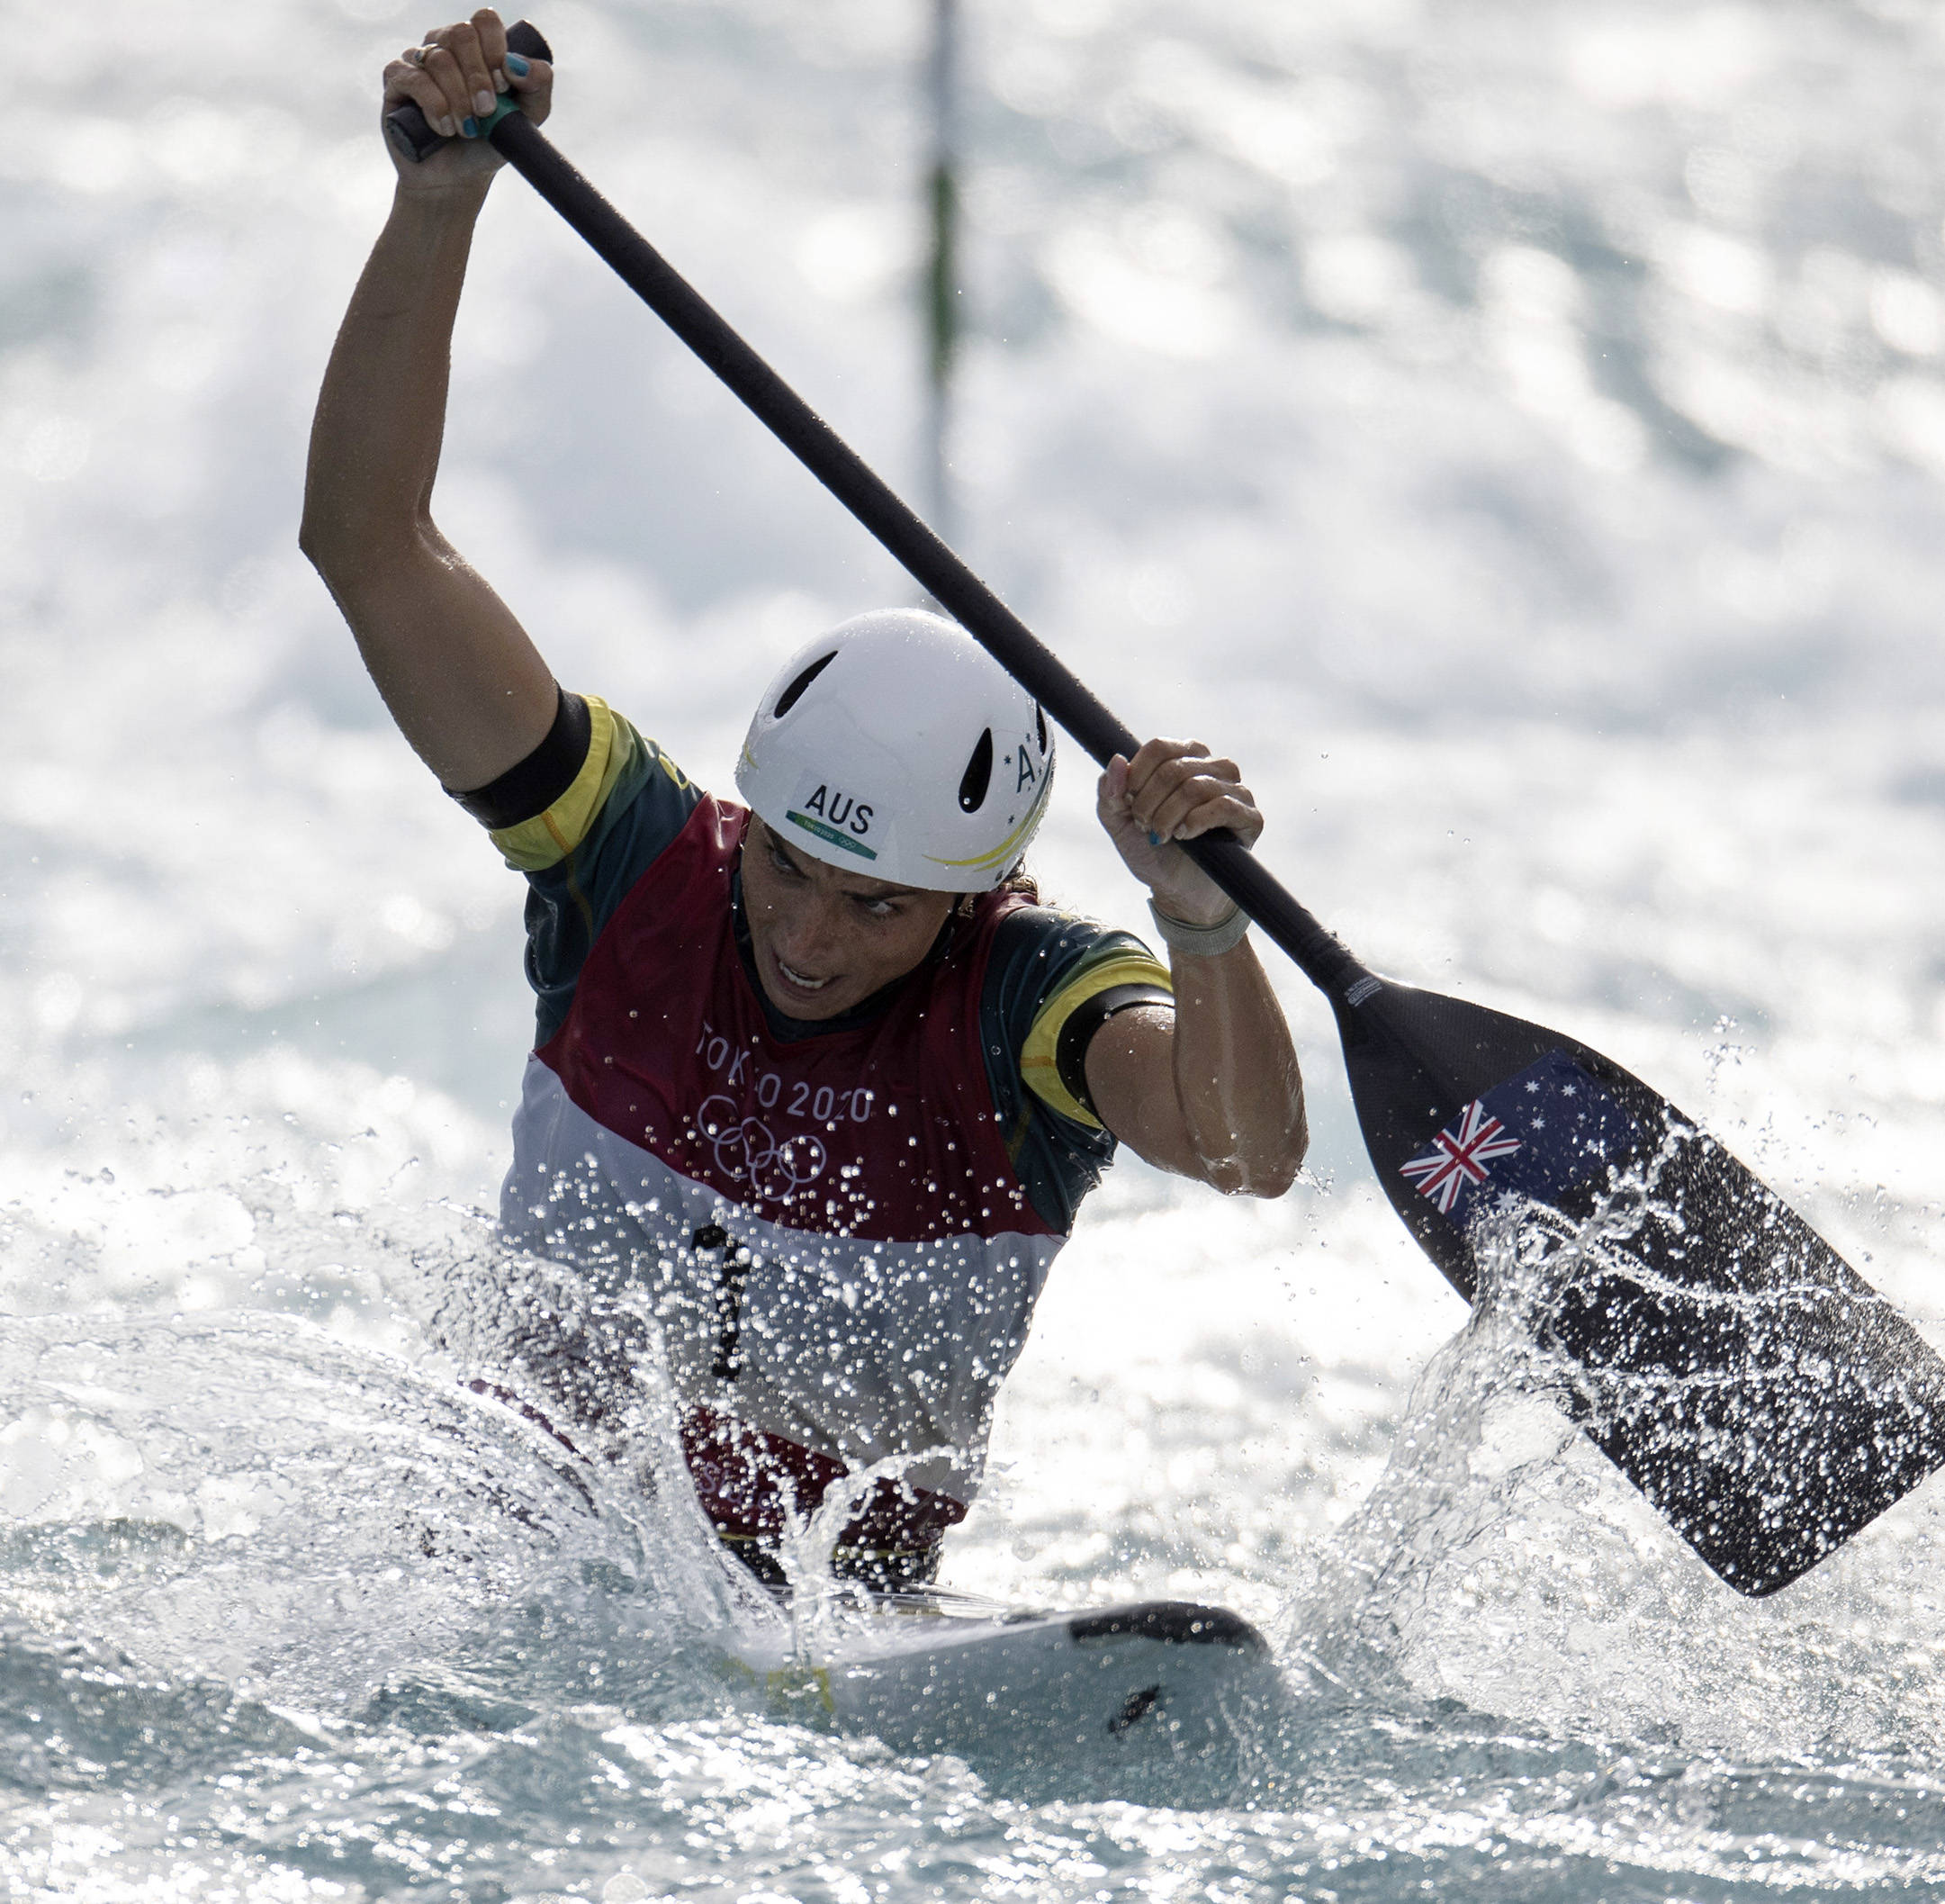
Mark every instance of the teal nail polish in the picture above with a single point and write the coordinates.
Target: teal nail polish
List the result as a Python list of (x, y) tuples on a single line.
[(1155, 839), (469, 128), (517, 66)]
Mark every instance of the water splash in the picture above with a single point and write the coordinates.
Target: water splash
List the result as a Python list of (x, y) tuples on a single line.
[(1500, 1559), (808, 1548), (248, 1499)]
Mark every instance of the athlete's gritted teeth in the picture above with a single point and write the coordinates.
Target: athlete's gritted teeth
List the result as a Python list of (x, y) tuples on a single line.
[(796, 980)]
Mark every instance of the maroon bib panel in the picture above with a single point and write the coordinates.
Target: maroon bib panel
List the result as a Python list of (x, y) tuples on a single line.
[(840, 1256)]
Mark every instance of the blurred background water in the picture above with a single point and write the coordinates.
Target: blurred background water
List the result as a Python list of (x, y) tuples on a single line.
[(1514, 429)]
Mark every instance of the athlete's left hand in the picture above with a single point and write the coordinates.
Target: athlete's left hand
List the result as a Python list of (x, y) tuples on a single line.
[(1172, 790)]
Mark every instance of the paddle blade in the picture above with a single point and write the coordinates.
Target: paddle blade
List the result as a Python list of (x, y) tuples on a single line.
[(1734, 1367)]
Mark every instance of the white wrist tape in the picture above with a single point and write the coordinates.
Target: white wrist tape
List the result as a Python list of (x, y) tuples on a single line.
[(1201, 942)]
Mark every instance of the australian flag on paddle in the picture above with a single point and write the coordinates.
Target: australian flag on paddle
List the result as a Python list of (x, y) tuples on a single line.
[(1540, 1133)]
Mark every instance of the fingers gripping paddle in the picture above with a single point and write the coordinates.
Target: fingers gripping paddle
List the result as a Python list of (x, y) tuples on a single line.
[(1729, 1362)]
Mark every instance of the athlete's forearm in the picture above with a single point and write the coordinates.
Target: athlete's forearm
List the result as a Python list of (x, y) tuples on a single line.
[(466, 686), (1237, 1079), (381, 416), (1214, 1091)]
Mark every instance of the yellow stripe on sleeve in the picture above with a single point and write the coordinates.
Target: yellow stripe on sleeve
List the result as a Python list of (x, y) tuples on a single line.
[(614, 748), (1039, 1064)]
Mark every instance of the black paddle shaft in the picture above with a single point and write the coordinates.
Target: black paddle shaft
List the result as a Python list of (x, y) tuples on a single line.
[(954, 586), (1732, 1366), (846, 475)]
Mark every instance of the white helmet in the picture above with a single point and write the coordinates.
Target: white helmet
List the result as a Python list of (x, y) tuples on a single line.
[(895, 745)]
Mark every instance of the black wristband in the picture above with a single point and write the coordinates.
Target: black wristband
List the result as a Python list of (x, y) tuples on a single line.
[(533, 785)]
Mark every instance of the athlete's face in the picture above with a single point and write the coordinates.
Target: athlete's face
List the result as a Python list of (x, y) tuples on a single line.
[(825, 939)]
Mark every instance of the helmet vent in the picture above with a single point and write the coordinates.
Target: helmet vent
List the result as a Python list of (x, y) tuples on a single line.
[(1040, 717), (979, 776), (794, 693)]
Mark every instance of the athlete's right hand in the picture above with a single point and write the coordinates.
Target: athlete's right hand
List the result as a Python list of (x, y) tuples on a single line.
[(455, 77)]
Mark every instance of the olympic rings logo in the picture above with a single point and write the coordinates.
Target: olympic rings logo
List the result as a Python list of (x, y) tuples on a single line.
[(746, 1152)]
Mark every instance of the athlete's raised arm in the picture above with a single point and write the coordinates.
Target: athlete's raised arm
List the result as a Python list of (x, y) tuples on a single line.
[(467, 688), (1212, 1089)]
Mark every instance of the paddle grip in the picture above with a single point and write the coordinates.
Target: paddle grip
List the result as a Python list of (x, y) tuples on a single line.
[(411, 135)]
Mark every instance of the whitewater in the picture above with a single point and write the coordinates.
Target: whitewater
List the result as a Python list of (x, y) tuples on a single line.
[(1515, 430)]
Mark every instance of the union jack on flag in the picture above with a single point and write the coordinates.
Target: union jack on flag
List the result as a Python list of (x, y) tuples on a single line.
[(1458, 1157)]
